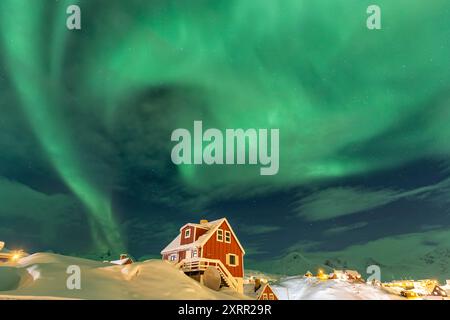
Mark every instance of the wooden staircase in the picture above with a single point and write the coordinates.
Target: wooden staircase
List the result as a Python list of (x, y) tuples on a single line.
[(201, 264)]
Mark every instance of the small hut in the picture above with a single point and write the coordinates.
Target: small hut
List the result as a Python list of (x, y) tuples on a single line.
[(308, 274), (267, 293), (124, 259), (264, 291), (353, 275)]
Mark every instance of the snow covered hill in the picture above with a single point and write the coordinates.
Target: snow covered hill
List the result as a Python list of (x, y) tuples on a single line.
[(44, 276), (434, 264)]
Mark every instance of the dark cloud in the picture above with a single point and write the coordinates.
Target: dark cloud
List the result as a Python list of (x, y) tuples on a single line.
[(342, 229), (40, 221), (260, 229), (337, 202)]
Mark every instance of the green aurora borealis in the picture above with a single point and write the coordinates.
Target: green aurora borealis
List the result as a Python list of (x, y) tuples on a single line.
[(97, 106), (36, 77)]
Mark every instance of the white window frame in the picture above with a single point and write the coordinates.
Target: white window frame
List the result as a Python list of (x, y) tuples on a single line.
[(194, 253), (173, 257), (187, 233), (236, 260), (227, 234), (219, 235)]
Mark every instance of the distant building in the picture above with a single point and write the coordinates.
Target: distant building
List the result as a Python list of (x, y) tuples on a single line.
[(426, 289), (264, 291), (351, 275), (123, 260), (439, 291), (199, 246), (267, 293), (339, 274), (446, 287)]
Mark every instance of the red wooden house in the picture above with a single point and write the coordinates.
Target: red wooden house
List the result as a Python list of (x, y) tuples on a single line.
[(267, 293), (208, 244), (263, 291)]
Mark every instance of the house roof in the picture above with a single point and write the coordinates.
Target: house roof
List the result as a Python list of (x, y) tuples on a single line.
[(196, 225), (353, 273), (121, 262), (212, 226), (280, 292), (176, 246)]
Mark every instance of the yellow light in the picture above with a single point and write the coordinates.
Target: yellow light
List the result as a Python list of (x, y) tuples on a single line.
[(16, 256)]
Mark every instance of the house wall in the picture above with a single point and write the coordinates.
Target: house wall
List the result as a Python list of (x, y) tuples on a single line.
[(214, 249), (181, 255), (195, 234), (190, 239)]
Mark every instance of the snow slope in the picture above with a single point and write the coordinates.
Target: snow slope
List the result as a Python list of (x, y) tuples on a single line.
[(43, 276), (300, 288)]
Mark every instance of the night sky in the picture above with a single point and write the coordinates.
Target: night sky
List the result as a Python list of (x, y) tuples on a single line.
[(364, 119)]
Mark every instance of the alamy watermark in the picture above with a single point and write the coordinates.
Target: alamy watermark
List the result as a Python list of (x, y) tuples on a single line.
[(375, 273), (374, 19), (235, 146), (73, 281), (73, 21)]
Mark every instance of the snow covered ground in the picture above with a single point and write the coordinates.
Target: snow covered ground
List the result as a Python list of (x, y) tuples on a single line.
[(44, 276), (300, 288)]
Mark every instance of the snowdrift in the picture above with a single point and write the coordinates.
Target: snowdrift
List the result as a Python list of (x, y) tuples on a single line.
[(44, 276), (10, 278)]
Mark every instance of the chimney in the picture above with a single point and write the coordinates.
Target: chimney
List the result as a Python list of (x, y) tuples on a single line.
[(203, 221)]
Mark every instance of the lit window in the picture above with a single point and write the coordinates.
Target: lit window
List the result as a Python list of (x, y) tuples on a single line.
[(220, 235), (264, 296), (232, 260), (187, 233), (227, 236), (271, 297)]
